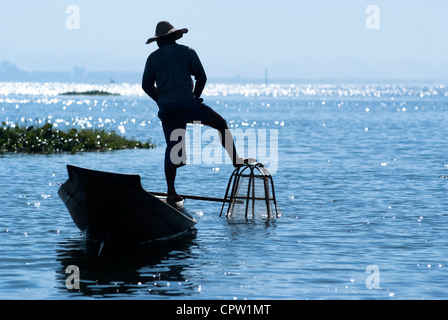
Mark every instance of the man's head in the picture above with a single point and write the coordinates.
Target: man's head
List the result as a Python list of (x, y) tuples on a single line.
[(166, 40), (164, 29)]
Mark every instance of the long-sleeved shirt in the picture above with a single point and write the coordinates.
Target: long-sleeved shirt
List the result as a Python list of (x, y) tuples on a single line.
[(170, 68)]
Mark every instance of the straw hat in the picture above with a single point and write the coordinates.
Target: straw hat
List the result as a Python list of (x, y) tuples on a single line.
[(165, 28)]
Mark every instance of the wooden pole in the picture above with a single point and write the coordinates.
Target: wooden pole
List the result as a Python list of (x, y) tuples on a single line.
[(193, 197)]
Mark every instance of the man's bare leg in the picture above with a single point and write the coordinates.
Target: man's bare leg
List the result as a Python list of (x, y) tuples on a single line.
[(216, 121), (170, 176)]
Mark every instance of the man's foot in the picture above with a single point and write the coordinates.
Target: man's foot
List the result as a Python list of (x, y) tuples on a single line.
[(239, 162), (173, 198)]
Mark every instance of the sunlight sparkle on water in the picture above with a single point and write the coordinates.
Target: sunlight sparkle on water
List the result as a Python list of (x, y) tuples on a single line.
[(53, 89)]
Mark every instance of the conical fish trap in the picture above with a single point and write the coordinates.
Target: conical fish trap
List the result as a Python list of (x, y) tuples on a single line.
[(250, 193)]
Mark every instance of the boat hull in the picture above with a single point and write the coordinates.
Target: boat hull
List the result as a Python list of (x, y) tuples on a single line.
[(114, 208)]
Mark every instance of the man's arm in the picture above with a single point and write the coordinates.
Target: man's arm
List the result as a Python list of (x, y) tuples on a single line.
[(197, 70), (148, 82), (199, 86)]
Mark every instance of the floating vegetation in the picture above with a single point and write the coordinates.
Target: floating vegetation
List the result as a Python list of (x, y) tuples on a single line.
[(46, 139), (89, 93)]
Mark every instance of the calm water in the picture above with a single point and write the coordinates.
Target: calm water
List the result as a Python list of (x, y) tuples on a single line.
[(360, 182)]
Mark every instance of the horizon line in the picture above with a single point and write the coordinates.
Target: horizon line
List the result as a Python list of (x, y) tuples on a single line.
[(10, 72)]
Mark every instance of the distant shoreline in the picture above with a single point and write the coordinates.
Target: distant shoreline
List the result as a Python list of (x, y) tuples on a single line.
[(10, 72)]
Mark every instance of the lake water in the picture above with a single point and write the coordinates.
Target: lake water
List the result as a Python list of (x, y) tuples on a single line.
[(360, 181)]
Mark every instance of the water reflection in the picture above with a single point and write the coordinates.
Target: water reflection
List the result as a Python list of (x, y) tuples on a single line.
[(143, 271), (251, 228)]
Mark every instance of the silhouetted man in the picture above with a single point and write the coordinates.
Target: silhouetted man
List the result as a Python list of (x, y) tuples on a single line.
[(167, 80)]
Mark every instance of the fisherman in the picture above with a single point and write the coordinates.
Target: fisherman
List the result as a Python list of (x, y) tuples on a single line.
[(167, 80)]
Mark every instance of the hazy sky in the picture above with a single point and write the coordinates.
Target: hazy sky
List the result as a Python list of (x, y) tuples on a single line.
[(294, 39)]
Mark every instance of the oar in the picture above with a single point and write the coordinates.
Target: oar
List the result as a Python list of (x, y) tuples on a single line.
[(193, 197)]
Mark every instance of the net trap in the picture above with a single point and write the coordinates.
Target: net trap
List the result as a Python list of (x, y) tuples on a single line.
[(250, 194)]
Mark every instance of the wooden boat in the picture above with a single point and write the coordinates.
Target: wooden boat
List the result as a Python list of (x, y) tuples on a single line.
[(114, 208)]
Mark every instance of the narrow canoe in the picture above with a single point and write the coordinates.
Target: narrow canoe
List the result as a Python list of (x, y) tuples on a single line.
[(114, 208)]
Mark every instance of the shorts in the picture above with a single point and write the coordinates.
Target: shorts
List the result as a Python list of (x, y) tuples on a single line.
[(174, 117)]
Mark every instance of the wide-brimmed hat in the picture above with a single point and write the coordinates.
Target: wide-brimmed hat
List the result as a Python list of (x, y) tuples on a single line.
[(165, 28)]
